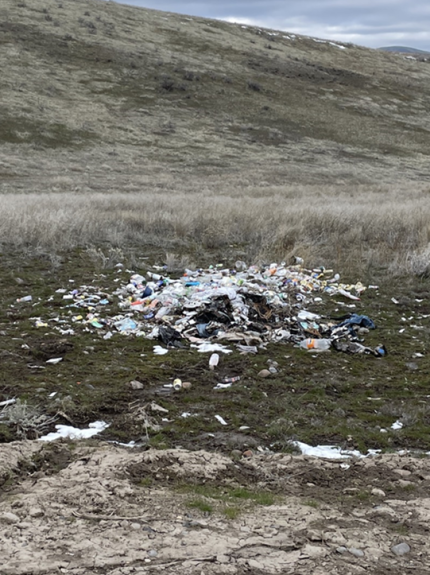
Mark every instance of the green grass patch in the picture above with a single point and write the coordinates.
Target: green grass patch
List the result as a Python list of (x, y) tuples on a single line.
[(201, 505)]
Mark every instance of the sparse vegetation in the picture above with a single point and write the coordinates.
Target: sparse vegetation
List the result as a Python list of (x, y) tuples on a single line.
[(382, 233)]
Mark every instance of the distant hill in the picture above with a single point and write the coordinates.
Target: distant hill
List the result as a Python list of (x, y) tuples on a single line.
[(98, 96), (404, 50)]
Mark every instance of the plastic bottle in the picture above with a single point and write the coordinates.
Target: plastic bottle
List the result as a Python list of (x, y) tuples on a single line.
[(316, 344), (213, 361)]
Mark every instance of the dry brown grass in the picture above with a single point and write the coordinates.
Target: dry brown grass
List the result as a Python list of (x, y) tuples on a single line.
[(122, 126), (353, 229)]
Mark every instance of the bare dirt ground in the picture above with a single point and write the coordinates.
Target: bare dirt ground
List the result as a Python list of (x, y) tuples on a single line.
[(100, 508)]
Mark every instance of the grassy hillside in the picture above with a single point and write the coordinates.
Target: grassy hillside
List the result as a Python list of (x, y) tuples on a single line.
[(102, 96), (204, 135)]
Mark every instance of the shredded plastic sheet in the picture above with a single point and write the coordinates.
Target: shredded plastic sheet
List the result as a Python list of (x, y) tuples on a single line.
[(158, 350), (64, 431), (330, 451), (211, 347), (221, 420)]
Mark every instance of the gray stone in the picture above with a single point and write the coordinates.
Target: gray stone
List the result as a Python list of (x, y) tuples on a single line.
[(356, 552), (400, 549), (341, 550), (135, 526), (152, 553), (9, 518), (136, 384), (36, 512), (402, 472), (378, 492)]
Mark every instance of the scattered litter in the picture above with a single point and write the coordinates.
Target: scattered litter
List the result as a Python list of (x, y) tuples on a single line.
[(54, 360), (221, 420), (395, 301), (53, 394), (331, 451), (177, 384), (208, 347), (231, 379), (223, 385), (7, 402), (213, 361), (397, 425), (25, 299), (155, 407), (247, 306), (74, 433), (315, 344), (158, 350)]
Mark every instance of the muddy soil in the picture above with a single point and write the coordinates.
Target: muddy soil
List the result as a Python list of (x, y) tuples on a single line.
[(96, 507)]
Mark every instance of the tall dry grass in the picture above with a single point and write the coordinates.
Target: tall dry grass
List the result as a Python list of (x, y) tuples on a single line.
[(357, 230)]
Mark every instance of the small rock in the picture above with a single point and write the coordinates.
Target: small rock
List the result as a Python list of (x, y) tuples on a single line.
[(356, 552), (405, 483), (412, 366), (383, 511), (36, 512), (402, 472), (248, 453), (152, 553), (341, 550), (313, 551), (273, 369), (9, 518), (135, 526), (24, 525), (136, 384), (186, 385), (378, 492), (400, 549), (313, 535), (264, 373)]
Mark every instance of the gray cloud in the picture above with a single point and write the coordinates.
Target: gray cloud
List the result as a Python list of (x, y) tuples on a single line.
[(371, 23)]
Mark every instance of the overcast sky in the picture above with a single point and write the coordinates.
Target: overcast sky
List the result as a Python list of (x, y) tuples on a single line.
[(372, 23)]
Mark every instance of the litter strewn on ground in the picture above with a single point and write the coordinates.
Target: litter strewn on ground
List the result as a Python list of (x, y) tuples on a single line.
[(214, 309), (66, 431)]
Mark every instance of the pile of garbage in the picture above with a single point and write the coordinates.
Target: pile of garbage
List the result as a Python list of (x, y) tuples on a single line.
[(208, 309)]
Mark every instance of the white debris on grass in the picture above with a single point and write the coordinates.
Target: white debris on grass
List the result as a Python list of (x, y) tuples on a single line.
[(158, 350), (54, 360), (67, 431), (210, 347), (221, 420), (223, 385), (397, 425), (331, 451), (7, 402)]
